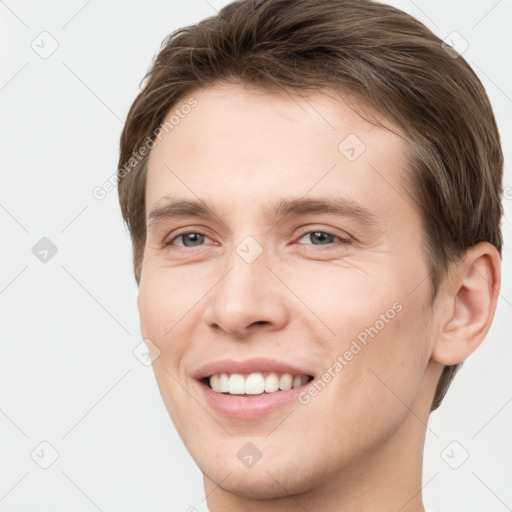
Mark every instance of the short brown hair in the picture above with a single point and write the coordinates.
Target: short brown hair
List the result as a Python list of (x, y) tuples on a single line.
[(377, 53)]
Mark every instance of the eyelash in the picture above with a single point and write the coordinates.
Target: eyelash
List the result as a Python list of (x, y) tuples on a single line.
[(329, 246)]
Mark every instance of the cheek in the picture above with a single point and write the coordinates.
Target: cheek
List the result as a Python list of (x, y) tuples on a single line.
[(379, 342), (150, 306), (386, 375), (163, 320), (351, 303), (161, 305), (166, 298), (370, 398)]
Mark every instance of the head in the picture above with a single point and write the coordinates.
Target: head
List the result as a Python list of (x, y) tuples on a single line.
[(348, 100)]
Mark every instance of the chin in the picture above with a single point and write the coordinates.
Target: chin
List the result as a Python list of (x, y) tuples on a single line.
[(275, 477), (257, 484)]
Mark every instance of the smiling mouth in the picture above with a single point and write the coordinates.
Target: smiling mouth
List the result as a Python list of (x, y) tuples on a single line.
[(255, 384)]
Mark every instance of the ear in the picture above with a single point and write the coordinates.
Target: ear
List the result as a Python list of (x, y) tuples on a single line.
[(468, 302)]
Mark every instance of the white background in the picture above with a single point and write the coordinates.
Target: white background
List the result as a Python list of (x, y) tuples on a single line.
[(68, 327)]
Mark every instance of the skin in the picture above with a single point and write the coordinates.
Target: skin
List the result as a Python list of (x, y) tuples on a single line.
[(357, 445)]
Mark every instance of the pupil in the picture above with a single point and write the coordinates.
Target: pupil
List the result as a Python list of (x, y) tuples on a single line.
[(188, 238), (320, 234)]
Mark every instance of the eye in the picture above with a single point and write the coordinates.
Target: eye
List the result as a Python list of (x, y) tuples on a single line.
[(189, 239), (321, 238)]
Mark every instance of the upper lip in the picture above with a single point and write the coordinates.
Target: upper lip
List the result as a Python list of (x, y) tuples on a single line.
[(246, 366)]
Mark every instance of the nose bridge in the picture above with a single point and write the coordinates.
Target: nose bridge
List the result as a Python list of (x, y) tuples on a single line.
[(246, 295), (244, 283)]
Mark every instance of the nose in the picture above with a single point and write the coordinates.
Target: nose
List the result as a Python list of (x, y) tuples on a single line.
[(248, 298)]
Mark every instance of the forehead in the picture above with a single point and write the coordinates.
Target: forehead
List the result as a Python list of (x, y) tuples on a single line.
[(242, 146)]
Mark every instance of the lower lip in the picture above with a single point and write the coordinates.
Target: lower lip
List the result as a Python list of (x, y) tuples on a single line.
[(249, 407)]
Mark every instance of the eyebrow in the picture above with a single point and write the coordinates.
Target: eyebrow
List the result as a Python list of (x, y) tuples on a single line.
[(339, 206)]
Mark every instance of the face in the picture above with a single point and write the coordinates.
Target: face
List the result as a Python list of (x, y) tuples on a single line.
[(304, 257)]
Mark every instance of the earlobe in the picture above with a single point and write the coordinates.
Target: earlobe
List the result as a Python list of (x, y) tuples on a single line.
[(471, 294)]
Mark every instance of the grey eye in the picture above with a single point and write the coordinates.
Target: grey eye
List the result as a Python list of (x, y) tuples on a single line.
[(190, 239), (322, 237)]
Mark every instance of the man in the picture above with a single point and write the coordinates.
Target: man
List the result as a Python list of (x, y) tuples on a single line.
[(313, 192)]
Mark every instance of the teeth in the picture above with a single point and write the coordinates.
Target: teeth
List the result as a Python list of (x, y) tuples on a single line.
[(214, 382), (223, 383), (255, 383), (236, 384), (271, 383), (285, 382)]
